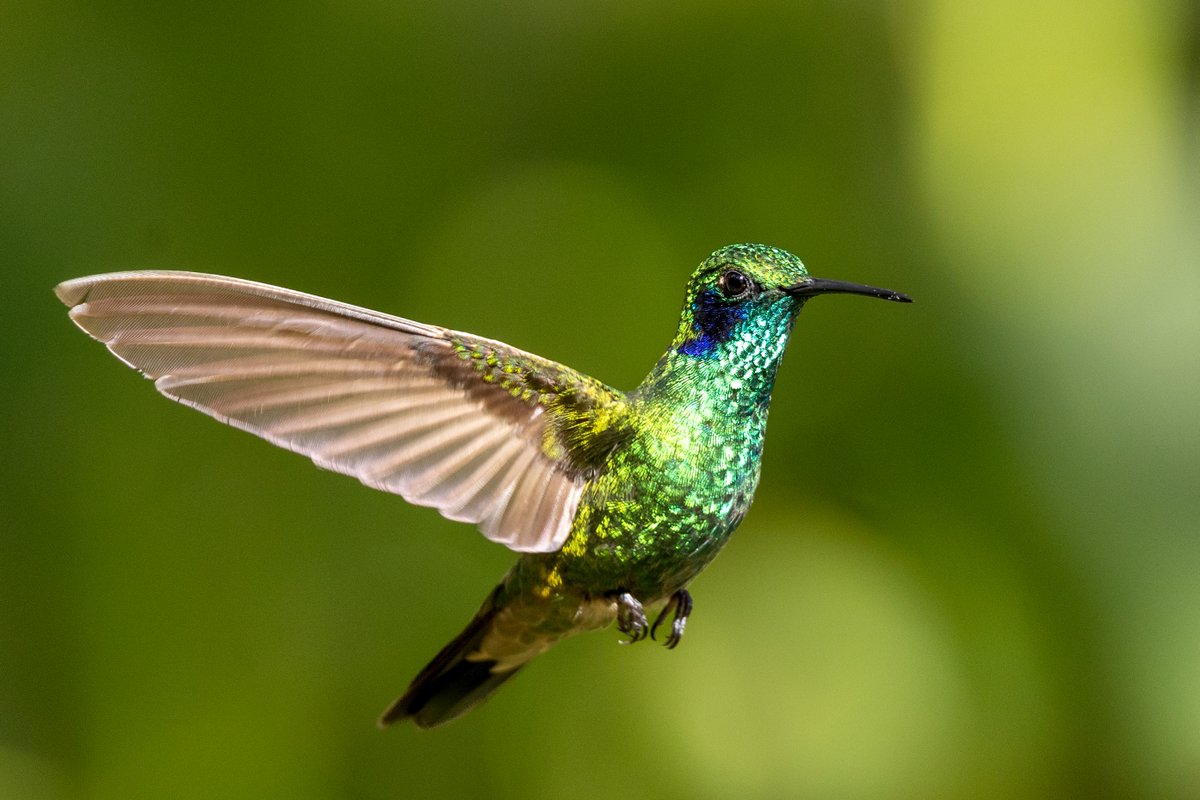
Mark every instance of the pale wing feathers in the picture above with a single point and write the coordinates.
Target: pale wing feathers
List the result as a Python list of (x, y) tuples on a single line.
[(360, 392)]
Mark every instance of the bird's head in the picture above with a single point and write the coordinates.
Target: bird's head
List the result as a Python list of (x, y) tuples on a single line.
[(752, 292)]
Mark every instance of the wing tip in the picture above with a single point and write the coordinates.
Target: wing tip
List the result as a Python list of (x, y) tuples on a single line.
[(73, 292)]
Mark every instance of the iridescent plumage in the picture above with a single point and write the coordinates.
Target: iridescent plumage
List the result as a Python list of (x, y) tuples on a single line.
[(617, 500)]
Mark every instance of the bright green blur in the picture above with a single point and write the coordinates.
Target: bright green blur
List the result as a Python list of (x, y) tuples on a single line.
[(971, 567)]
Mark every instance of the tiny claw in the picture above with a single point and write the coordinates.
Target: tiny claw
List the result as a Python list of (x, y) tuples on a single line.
[(662, 616), (681, 604), (676, 636), (631, 617)]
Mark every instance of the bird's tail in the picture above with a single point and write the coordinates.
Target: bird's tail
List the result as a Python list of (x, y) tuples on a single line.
[(453, 682)]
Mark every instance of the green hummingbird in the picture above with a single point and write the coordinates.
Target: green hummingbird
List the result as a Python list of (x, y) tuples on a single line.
[(616, 500)]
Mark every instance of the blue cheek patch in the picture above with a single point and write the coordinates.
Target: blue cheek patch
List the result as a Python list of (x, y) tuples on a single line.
[(701, 347), (713, 322)]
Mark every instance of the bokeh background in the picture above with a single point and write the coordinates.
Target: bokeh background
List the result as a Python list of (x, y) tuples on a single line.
[(973, 569)]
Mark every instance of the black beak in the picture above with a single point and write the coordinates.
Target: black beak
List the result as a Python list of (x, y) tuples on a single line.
[(810, 287)]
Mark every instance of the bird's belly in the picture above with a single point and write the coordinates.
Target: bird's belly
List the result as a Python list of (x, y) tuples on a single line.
[(651, 549)]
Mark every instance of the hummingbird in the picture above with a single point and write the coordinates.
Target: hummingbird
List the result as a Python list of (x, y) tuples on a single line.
[(615, 500)]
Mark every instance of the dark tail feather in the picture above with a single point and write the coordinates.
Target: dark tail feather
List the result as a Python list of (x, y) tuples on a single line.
[(450, 685)]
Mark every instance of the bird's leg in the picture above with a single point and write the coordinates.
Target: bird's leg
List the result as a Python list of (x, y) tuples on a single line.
[(631, 617), (681, 603)]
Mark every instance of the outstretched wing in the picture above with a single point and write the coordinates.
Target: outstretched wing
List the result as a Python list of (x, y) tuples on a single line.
[(481, 431)]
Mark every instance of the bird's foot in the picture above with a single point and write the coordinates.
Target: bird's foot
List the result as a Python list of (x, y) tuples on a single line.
[(681, 604), (631, 617)]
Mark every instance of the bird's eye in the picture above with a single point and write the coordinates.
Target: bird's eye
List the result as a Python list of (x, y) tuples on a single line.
[(733, 284)]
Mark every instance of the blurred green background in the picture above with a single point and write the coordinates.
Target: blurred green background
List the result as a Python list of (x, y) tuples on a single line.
[(973, 569)]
